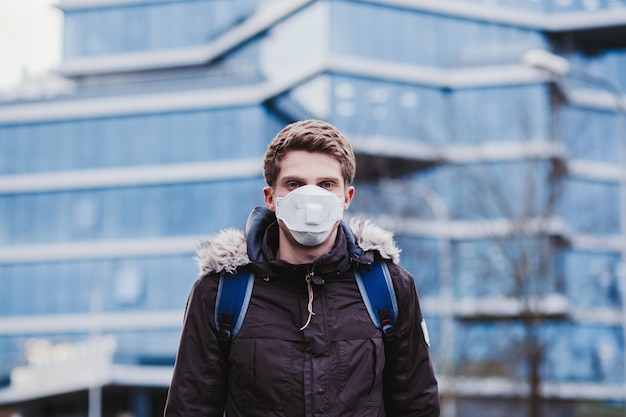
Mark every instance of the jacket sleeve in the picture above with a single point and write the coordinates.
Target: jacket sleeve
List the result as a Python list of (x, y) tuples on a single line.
[(410, 387), (198, 386)]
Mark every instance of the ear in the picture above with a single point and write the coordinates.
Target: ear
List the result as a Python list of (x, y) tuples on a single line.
[(268, 195), (348, 198)]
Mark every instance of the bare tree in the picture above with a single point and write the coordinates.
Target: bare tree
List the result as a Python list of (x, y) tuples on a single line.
[(512, 205), (528, 245)]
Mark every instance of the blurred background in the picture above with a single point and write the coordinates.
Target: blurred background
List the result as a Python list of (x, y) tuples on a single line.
[(490, 137), (30, 40)]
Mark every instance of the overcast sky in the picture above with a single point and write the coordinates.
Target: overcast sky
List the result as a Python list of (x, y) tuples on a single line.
[(30, 38)]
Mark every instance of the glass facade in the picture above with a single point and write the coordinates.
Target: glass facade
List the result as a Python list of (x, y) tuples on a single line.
[(126, 213), (502, 190), (554, 6), (200, 135), (120, 284), (150, 26), (428, 39)]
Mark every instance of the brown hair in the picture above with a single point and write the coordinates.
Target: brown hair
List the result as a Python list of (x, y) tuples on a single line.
[(310, 136)]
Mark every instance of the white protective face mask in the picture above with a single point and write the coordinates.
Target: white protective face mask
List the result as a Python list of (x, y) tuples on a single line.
[(309, 212)]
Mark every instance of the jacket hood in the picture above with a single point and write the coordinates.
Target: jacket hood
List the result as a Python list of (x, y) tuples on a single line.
[(230, 248)]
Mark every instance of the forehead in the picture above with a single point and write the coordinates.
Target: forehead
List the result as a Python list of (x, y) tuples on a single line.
[(309, 165)]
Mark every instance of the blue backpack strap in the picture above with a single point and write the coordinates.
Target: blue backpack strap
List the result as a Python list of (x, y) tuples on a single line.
[(376, 287), (233, 296)]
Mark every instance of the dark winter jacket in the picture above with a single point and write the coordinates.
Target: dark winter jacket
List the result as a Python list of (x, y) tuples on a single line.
[(336, 366)]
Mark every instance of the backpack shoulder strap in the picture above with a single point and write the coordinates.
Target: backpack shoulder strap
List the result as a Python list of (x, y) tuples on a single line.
[(233, 296), (376, 287)]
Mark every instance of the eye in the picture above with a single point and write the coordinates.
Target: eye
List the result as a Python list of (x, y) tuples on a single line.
[(293, 184), (327, 185)]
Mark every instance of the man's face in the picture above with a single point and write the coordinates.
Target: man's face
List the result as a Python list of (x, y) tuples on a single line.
[(300, 168)]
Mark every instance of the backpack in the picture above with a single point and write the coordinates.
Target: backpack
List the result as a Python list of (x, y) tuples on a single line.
[(374, 282)]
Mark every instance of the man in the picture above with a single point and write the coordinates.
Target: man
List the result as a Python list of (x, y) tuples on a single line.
[(307, 346)]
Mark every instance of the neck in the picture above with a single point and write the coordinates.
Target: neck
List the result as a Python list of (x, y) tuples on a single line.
[(291, 251)]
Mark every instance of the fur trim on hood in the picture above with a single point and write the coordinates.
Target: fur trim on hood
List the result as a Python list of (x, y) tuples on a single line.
[(371, 237), (228, 250)]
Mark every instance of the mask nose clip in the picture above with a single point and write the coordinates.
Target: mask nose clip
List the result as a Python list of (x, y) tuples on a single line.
[(313, 214)]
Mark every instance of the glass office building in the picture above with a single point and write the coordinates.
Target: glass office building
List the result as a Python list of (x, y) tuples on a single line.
[(504, 184)]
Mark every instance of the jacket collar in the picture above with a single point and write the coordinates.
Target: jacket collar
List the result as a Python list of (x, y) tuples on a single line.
[(232, 248)]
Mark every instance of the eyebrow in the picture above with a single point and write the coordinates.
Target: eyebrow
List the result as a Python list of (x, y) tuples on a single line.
[(302, 179)]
